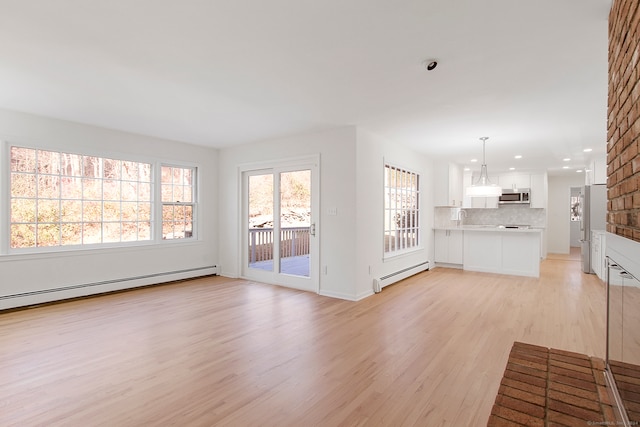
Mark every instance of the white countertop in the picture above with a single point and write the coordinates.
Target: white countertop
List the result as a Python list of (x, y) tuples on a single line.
[(492, 228)]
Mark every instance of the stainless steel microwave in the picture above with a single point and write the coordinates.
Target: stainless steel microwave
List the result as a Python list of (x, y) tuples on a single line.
[(517, 196)]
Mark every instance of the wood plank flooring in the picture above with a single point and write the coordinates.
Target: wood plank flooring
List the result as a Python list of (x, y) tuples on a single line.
[(428, 351)]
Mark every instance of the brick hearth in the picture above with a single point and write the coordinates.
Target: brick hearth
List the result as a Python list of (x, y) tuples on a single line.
[(543, 386)]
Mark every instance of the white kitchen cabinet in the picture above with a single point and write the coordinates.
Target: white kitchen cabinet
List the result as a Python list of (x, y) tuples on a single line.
[(448, 246), (597, 171), (515, 252), (515, 180), (448, 185), (539, 187), (484, 202)]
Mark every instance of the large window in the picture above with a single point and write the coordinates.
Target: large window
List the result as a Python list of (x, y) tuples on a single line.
[(66, 199), (401, 210)]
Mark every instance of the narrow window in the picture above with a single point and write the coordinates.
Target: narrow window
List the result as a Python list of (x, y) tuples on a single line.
[(178, 202), (401, 210)]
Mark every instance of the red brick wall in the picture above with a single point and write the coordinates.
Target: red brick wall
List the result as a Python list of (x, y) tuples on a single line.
[(623, 133)]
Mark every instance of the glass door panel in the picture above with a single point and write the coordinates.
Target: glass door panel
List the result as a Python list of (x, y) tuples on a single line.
[(261, 226), (295, 222)]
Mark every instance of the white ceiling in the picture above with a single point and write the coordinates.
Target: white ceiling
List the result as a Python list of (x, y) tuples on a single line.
[(531, 75)]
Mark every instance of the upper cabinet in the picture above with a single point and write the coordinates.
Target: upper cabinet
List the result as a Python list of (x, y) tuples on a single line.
[(515, 180), (539, 190), (448, 184), (596, 172)]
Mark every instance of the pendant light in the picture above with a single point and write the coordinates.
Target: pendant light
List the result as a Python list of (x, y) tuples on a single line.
[(483, 187)]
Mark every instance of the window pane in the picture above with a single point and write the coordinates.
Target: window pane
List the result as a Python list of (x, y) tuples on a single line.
[(145, 172), (91, 232), (129, 191), (92, 211), (111, 190), (23, 185), (130, 171), (71, 164), (23, 210), (92, 189), (167, 193), (23, 159), (71, 188), (144, 192), (71, 234), (111, 232), (48, 162), (111, 211), (48, 186), (23, 235), (112, 168), (92, 167), (167, 230), (187, 194), (178, 195), (71, 211), (48, 210), (144, 230), (129, 231), (48, 235), (144, 212)]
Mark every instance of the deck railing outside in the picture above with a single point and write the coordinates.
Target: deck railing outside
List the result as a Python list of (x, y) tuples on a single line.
[(294, 241)]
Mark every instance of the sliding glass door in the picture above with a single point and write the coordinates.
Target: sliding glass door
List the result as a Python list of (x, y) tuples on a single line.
[(280, 228)]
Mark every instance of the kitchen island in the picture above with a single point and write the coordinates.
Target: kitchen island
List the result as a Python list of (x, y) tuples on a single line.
[(494, 249)]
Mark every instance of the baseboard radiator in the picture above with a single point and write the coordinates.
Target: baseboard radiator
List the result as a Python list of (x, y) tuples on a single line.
[(147, 279), (387, 280)]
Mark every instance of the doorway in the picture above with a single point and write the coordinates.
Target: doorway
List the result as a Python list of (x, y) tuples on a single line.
[(280, 228)]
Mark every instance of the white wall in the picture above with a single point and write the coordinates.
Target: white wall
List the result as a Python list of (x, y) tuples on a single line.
[(39, 273), (372, 152), (559, 226)]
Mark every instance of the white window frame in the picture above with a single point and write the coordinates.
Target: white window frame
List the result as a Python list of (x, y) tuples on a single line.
[(156, 205), (394, 214), (193, 203)]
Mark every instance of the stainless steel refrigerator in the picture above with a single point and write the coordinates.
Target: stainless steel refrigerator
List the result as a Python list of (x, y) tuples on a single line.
[(593, 216)]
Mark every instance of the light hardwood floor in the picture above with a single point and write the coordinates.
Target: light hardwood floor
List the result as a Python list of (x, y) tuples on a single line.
[(429, 351)]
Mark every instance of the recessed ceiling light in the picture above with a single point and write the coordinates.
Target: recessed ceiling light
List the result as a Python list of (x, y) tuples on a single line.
[(517, 156), (467, 169), (474, 160), (512, 169), (565, 167), (588, 150), (566, 159), (579, 170)]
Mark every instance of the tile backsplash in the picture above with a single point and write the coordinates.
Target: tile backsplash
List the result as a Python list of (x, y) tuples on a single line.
[(522, 215)]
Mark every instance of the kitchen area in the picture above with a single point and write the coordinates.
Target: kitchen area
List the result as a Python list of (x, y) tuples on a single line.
[(502, 234)]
